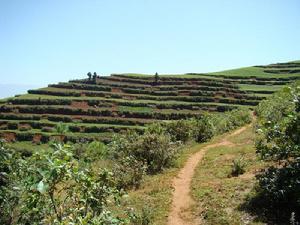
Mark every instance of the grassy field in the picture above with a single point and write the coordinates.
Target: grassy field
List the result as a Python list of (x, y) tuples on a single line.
[(252, 71)]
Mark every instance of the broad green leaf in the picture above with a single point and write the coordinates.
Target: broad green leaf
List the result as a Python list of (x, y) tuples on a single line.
[(41, 187)]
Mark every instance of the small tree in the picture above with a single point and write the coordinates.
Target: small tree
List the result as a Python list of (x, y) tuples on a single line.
[(89, 74), (95, 77), (156, 78), (56, 190)]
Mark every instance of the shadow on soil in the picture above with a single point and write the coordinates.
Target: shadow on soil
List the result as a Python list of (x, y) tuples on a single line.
[(263, 210)]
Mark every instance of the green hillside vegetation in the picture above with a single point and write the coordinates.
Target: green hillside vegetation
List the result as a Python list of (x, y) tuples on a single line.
[(105, 150), (95, 108)]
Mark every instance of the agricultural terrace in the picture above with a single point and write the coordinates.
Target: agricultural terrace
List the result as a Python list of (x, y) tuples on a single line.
[(97, 107)]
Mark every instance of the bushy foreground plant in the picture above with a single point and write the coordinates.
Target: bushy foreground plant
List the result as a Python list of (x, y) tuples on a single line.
[(51, 188), (8, 190), (180, 130), (278, 140), (155, 149), (129, 172)]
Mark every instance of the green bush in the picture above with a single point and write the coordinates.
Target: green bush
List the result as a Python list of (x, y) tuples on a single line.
[(179, 130), (95, 150), (278, 128), (129, 172), (155, 149), (238, 167), (50, 187), (204, 129)]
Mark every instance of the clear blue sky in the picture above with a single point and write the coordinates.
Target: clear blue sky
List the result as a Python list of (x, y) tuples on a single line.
[(48, 41)]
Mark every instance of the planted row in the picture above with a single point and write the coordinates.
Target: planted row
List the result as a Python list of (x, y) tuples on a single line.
[(212, 83), (98, 112)]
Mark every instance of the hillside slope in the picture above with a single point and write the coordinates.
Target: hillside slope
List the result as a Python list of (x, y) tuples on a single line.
[(98, 107)]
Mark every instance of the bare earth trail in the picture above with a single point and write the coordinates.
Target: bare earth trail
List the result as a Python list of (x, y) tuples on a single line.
[(182, 200)]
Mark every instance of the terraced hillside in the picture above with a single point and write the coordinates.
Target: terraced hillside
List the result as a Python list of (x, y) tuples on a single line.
[(98, 107)]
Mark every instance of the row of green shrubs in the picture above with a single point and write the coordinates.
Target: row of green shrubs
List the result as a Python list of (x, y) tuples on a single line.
[(193, 93), (200, 99), (110, 102), (54, 93), (81, 86), (199, 96), (251, 78), (19, 117), (50, 127), (282, 71), (67, 137), (212, 83), (281, 65), (100, 112), (99, 120), (182, 86), (60, 101), (164, 78)]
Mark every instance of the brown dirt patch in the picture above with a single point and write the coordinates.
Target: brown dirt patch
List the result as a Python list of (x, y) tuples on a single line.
[(184, 93), (79, 104), (9, 136), (128, 97), (60, 138), (116, 90), (37, 138)]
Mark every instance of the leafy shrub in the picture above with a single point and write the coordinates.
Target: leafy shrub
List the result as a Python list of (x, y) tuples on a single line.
[(203, 129), (8, 197), (95, 150), (129, 172), (278, 129), (51, 188), (155, 149), (179, 130), (61, 128), (238, 167)]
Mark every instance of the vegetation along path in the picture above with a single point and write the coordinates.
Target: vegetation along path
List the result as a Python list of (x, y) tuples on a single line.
[(182, 200)]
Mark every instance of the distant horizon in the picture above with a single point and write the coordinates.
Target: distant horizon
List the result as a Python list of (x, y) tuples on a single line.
[(10, 90)]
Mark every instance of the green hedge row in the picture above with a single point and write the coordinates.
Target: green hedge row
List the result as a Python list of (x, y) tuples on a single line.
[(254, 78), (55, 93), (19, 117), (40, 101), (45, 138), (199, 99), (103, 112), (77, 86), (212, 83)]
